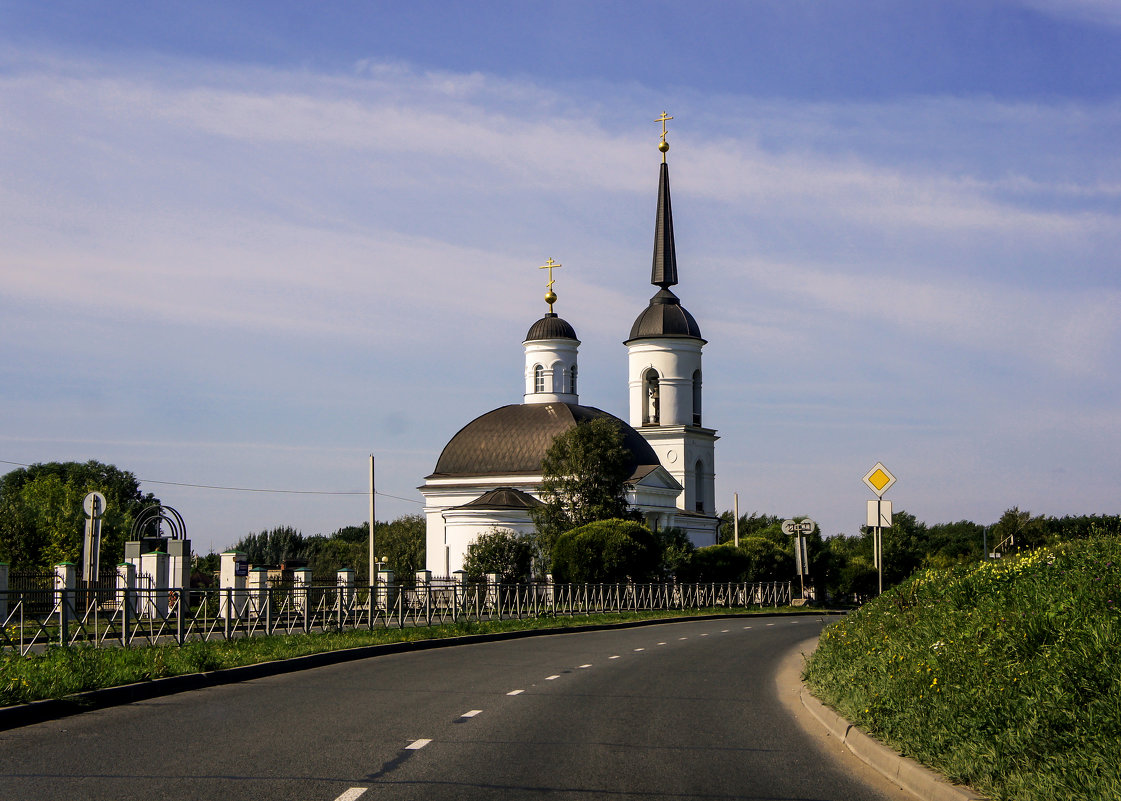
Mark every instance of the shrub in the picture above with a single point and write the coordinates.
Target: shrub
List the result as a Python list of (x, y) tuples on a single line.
[(606, 551), (499, 551)]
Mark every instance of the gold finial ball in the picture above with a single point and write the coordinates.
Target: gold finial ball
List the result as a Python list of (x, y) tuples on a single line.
[(663, 146), (550, 298)]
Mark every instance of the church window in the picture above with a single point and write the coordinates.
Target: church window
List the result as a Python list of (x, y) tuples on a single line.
[(538, 378), (572, 381), (696, 397), (699, 485), (558, 378), (651, 413)]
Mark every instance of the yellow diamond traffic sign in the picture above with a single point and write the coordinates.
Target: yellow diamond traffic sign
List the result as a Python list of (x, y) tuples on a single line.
[(879, 479)]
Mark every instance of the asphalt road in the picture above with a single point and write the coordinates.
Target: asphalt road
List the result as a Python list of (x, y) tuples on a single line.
[(674, 711)]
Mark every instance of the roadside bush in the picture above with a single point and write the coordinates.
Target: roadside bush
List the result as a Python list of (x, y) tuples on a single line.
[(499, 551), (719, 563), (606, 551)]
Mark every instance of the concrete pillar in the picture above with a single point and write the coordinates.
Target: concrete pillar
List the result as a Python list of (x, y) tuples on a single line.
[(179, 565), (3, 592), (386, 589), (423, 586), (232, 572), (65, 581), (492, 590), (257, 588), (345, 584), (301, 580), (154, 598), (126, 580)]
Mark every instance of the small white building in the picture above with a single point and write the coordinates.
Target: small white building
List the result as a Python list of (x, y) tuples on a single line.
[(489, 474)]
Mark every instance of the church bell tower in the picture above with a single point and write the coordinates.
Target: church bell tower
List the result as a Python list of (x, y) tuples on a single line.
[(664, 368)]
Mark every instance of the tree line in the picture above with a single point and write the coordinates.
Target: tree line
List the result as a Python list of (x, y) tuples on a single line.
[(584, 531)]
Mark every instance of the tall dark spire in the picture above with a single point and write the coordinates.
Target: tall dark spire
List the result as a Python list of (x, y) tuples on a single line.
[(663, 273)]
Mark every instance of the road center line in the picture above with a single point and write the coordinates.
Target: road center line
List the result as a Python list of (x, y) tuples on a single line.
[(582, 667), (613, 657), (515, 692), (639, 649), (416, 745), (352, 794), (551, 678), (471, 714)]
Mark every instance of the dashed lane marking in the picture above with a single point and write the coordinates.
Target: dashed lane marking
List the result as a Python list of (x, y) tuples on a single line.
[(582, 667), (745, 628), (723, 631), (661, 643), (682, 638), (515, 692), (352, 794), (553, 677), (639, 649), (613, 657), (705, 634), (416, 745), (770, 624), (471, 714)]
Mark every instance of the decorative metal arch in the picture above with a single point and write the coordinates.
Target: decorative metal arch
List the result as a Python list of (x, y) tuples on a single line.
[(154, 517)]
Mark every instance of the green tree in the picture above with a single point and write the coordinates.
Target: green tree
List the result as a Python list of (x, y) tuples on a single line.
[(401, 542), (676, 551), (584, 476), (499, 551), (606, 551), (41, 517)]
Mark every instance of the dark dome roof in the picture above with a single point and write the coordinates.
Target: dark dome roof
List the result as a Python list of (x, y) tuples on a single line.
[(551, 327), (664, 317), (504, 498), (513, 439)]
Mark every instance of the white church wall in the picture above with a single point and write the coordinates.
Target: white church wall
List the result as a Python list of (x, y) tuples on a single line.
[(675, 359)]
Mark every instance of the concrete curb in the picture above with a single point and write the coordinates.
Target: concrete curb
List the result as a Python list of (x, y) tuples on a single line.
[(53, 708), (908, 774)]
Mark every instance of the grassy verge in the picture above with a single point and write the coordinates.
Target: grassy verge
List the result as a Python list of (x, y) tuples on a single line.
[(59, 672), (1005, 676)]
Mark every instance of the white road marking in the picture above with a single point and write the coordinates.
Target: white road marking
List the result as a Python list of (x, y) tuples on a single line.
[(705, 634), (745, 628), (582, 667), (352, 794), (770, 624), (471, 714), (661, 643), (723, 631), (639, 649), (515, 692), (613, 657), (416, 745), (551, 678), (682, 638)]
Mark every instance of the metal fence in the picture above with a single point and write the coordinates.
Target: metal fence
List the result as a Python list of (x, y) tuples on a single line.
[(100, 615)]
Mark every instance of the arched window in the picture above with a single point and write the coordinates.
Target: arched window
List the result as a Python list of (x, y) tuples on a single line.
[(651, 413), (538, 378), (696, 397), (699, 485), (572, 381), (558, 378)]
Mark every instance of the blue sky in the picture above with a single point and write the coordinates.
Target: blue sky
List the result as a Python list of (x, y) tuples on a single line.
[(248, 244)]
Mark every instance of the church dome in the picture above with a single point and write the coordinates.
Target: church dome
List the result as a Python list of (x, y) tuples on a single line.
[(512, 440), (664, 317), (550, 327)]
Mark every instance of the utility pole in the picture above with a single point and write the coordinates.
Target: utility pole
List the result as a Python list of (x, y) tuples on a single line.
[(373, 523), (736, 518)]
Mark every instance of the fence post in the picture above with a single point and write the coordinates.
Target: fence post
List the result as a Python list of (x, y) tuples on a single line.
[(155, 564), (386, 590), (65, 580), (459, 593), (3, 592), (233, 570), (301, 596), (424, 592), (126, 597), (257, 587), (345, 593), (492, 600)]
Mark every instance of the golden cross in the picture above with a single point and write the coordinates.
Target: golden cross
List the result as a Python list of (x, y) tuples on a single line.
[(664, 145), (549, 265), (550, 295)]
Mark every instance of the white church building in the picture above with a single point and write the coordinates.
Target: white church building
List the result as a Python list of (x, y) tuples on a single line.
[(489, 474)]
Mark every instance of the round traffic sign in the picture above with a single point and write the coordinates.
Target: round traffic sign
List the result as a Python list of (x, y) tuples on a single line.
[(89, 507)]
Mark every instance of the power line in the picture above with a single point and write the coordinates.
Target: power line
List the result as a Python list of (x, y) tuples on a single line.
[(252, 489)]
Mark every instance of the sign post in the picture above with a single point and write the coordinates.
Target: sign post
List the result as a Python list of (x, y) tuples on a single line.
[(879, 479), (94, 507), (799, 530)]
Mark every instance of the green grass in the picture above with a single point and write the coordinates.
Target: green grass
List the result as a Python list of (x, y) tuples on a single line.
[(58, 672), (1005, 675)]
